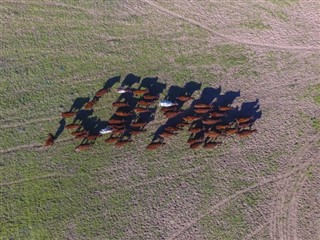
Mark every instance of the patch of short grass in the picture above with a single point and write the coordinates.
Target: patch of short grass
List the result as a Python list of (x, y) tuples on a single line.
[(256, 24)]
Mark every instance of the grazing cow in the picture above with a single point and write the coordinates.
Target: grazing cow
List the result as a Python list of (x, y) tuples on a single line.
[(121, 143), (73, 126), (184, 98), (82, 136), (211, 144), (166, 134), (142, 110), (102, 92), (195, 145), (111, 139), (183, 124), (144, 103), (167, 109), (194, 140), (50, 140), (89, 105), (123, 90), (223, 126), (191, 118), (93, 136), (83, 147), (195, 130), (113, 126), (116, 121), (202, 105), (123, 114), (172, 114), (172, 129), (211, 121), (138, 124), (245, 125), (246, 133), (119, 131), (202, 110), (153, 146), (140, 92), (212, 134), (217, 114), (79, 132), (231, 131), (226, 108), (120, 104), (244, 120), (148, 96), (137, 131), (68, 114)]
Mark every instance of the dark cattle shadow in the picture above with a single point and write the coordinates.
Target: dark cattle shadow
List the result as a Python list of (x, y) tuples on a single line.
[(227, 98), (248, 109), (110, 82), (79, 103), (129, 80), (82, 115), (208, 95), (60, 128), (191, 87), (153, 85)]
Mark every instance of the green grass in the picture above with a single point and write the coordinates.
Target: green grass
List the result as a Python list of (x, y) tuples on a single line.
[(256, 24)]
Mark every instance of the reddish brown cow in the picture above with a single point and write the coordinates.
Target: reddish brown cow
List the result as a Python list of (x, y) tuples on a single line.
[(111, 139), (223, 126), (166, 134), (211, 144), (246, 133), (167, 109), (120, 104), (195, 145), (140, 92), (123, 114), (172, 129), (68, 114), (144, 103), (116, 121), (79, 132), (212, 134), (211, 121), (83, 147), (184, 98), (141, 110), (89, 105), (93, 136), (183, 124), (102, 92), (82, 136), (137, 131), (138, 124), (246, 124), (226, 108), (231, 131), (121, 143), (153, 146), (244, 120), (50, 140), (202, 110), (191, 118), (150, 97), (172, 114), (73, 126), (195, 130), (202, 105), (217, 114), (118, 131), (194, 140)]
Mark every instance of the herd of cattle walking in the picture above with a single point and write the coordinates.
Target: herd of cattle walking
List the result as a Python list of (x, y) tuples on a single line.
[(207, 123)]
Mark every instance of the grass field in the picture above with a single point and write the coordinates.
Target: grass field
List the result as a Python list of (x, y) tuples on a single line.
[(263, 187)]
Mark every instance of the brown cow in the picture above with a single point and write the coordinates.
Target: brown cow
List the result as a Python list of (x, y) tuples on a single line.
[(172, 114), (119, 131), (138, 124), (194, 140), (211, 121), (83, 147), (195, 129), (142, 110), (244, 120), (140, 92), (211, 144), (246, 133), (172, 129), (68, 114), (50, 140), (217, 114), (223, 126), (231, 131), (184, 98), (145, 103), (123, 114), (121, 143), (116, 121), (202, 110), (195, 145), (73, 126), (82, 136), (153, 146), (212, 134), (148, 96), (246, 124), (102, 92), (137, 131), (167, 109), (183, 124), (111, 139), (120, 104), (89, 105), (166, 134), (226, 108), (191, 118), (202, 105), (93, 136), (79, 132)]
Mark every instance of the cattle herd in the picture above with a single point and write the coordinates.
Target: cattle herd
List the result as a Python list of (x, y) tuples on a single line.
[(207, 122)]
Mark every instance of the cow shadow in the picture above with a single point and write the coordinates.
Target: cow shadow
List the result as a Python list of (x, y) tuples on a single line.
[(153, 85), (79, 103), (111, 82), (130, 80), (248, 109), (207, 96), (60, 129)]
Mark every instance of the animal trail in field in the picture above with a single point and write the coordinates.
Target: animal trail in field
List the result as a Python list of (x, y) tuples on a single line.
[(208, 118)]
